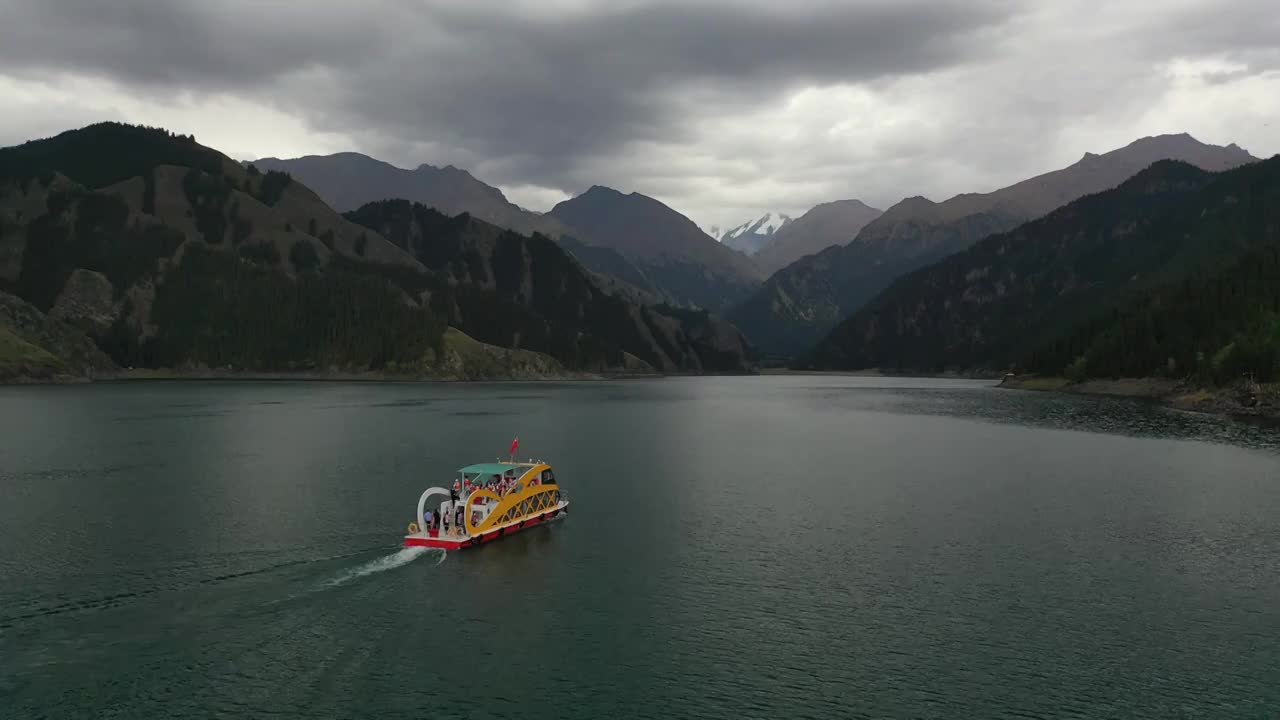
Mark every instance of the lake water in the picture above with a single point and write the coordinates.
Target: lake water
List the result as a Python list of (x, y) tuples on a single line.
[(736, 548)]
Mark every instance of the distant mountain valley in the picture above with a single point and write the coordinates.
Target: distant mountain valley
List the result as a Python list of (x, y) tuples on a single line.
[(828, 224)]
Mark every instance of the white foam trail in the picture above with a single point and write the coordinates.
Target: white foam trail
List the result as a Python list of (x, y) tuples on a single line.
[(390, 562)]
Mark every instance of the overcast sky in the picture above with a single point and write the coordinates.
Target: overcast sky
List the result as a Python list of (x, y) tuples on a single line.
[(721, 108)]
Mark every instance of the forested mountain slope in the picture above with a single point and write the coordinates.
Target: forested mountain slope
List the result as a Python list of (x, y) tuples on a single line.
[(512, 290), (168, 254), (96, 222), (1164, 274)]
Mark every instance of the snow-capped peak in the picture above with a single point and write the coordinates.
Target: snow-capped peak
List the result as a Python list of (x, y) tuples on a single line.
[(752, 235), (767, 224)]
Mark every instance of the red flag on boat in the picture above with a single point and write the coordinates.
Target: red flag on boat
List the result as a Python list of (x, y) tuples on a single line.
[(515, 445)]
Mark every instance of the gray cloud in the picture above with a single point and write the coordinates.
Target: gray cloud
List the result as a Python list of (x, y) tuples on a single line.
[(534, 88), (717, 106), (538, 92), (175, 45)]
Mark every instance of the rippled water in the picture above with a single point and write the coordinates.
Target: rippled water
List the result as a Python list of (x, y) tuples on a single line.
[(737, 547)]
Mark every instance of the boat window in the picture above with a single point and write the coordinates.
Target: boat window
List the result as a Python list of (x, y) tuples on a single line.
[(548, 477)]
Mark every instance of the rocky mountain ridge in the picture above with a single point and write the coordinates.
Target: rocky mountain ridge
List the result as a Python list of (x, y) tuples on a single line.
[(825, 225), (167, 254), (348, 180), (682, 261), (1176, 273), (800, 303)]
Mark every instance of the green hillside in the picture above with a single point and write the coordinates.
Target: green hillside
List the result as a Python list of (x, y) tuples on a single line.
[(34, 346), (19, 358)]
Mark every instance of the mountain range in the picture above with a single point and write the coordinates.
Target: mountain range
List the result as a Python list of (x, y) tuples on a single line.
[(348, 180), (1174, 272), (802, 302), (658, 254), (129, 246), (124, 246)]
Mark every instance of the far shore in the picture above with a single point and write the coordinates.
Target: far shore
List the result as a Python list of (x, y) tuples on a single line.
[(874, 372), (845, 373), (212, 374), (1264, 403), (142, 375)]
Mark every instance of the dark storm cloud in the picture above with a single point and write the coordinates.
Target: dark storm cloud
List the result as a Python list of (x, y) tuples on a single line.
[(527, 91), (550, 87), (175, 45), (720, 107)]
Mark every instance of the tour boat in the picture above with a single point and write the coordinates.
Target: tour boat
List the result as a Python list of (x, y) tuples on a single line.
[(497, 499)]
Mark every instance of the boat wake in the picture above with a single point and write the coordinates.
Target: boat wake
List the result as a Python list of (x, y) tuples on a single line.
[(388, 562), (143, 586)]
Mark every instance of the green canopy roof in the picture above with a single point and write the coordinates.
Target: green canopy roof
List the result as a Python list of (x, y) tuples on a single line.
[(494, 468)]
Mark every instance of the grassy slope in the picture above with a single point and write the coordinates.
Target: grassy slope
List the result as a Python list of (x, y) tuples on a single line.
[(19, 358), (471, 359)]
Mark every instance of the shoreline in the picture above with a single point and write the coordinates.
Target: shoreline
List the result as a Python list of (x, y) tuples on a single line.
[(1173, 394), (145, 375), (137, 375), (873, 372)]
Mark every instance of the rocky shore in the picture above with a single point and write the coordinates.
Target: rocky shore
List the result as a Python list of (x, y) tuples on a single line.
[(1245, 399)]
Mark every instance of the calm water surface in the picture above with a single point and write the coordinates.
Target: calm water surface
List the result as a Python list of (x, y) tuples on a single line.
[(736, 548)]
